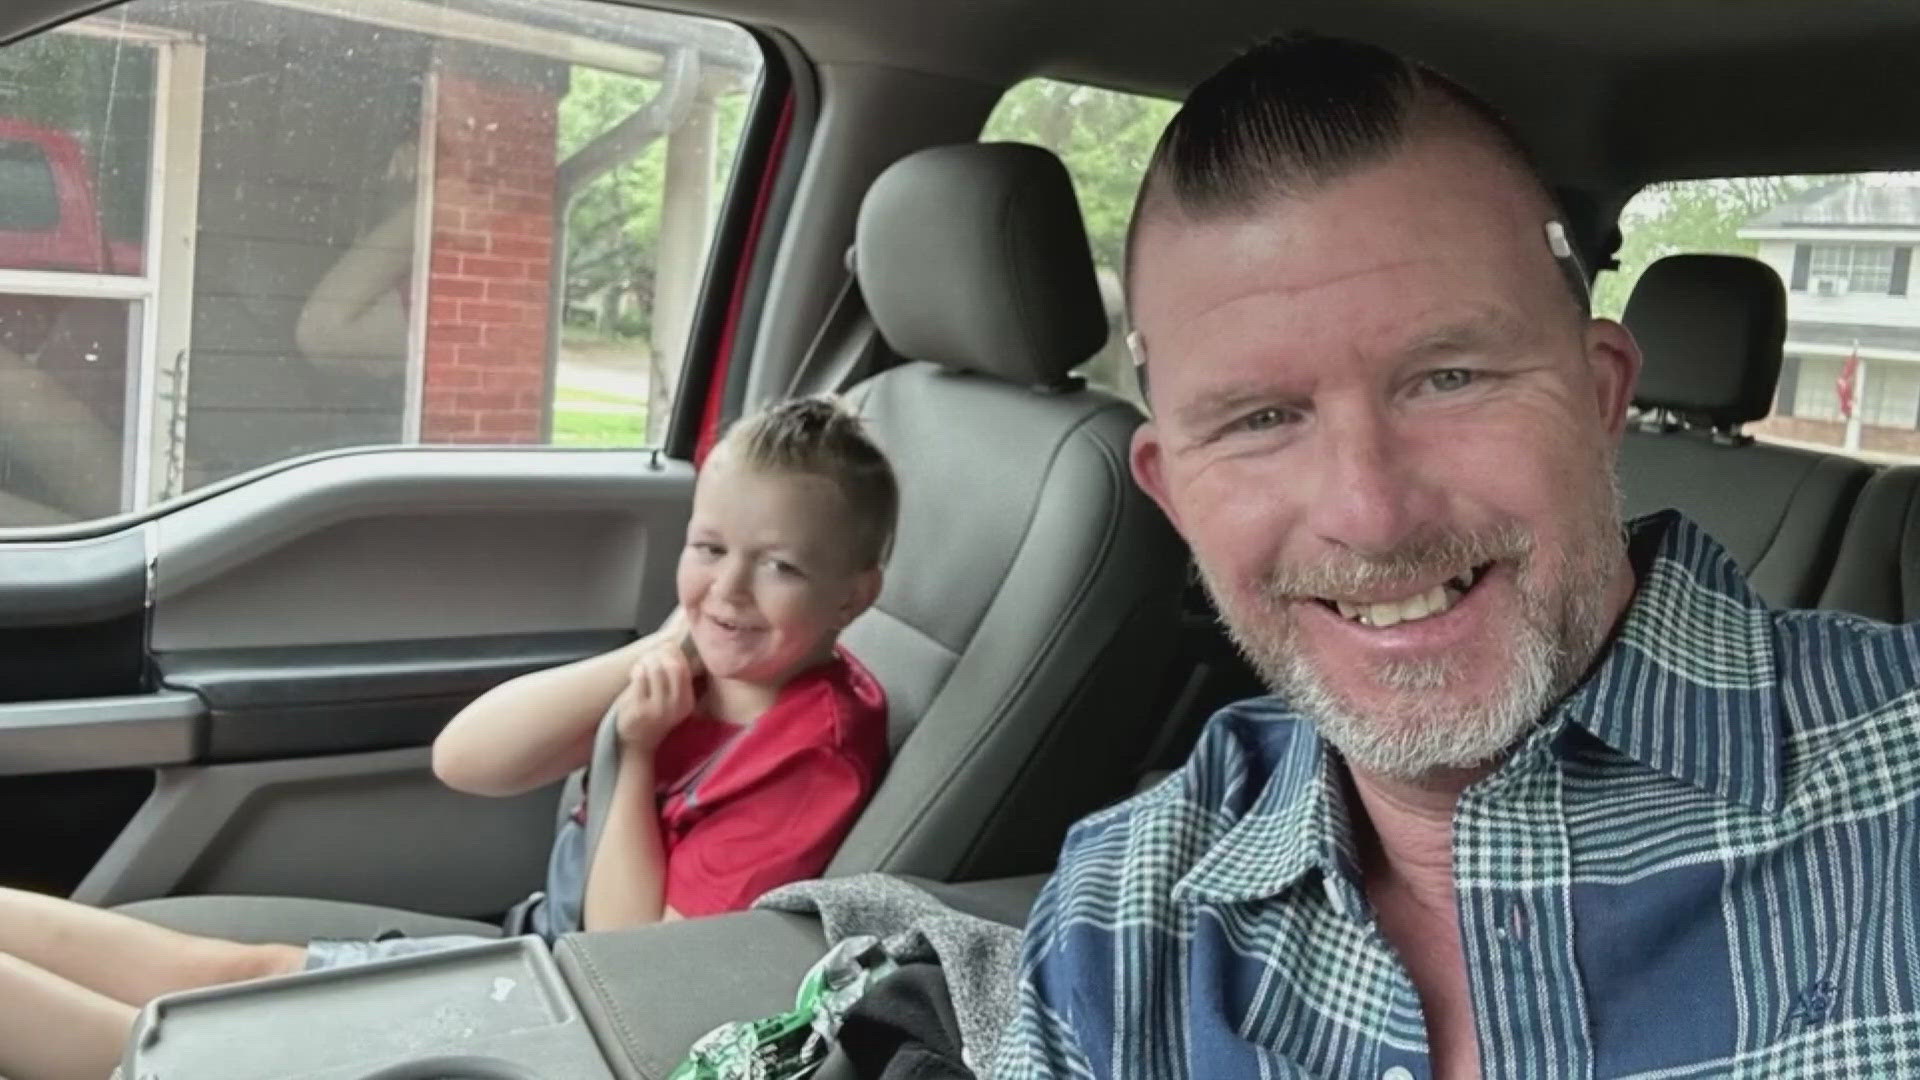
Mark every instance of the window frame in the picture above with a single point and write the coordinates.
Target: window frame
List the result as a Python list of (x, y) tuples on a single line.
[(1853, 261), (163, 326)]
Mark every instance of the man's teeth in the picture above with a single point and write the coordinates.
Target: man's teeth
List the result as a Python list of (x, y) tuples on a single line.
[(1432, 602)]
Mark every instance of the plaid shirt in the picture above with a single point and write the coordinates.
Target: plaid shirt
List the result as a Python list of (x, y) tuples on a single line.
[(1704, 862)]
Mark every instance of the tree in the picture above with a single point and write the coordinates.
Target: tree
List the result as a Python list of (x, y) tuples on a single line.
[(613, 226), (1692, 216), (1105, 137)]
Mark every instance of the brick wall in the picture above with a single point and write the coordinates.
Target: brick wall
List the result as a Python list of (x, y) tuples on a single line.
[(486, 347)]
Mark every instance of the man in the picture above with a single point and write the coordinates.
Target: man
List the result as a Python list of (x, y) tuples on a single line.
[(1536, 795)]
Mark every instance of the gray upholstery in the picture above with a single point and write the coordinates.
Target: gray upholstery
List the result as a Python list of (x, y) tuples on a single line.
[(260, 919), (1779, 511), (1716, 324), (974, 257), (649, 993), (1031, 607), (1878, 571), (1711, 327)]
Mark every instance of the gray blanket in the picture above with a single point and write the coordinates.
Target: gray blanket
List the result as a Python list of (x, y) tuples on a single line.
[(981, 958)]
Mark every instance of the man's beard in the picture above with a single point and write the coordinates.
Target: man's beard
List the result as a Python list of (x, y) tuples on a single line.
[(1561, 625)]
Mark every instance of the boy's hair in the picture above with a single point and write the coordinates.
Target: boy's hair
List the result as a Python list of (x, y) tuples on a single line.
[(816, 437)]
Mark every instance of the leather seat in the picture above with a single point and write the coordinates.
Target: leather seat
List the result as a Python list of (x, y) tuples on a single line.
[(1031, 609), (1031, 605), (1877, 573), (1711, 328)]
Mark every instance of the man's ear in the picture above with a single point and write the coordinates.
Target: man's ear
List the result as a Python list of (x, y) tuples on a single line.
[(1614, 359), (1149, 461)]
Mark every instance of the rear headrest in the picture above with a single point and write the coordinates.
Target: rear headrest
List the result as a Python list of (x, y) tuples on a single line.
[(1710, 328), (974, 257)]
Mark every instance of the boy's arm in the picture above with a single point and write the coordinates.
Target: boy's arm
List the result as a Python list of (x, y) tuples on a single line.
[(627, 872), (533, 730), (627, 877)]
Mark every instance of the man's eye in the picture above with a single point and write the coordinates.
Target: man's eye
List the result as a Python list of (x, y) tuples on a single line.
[(1265, 419), (711, 551), (1447, 380), (784, 568)]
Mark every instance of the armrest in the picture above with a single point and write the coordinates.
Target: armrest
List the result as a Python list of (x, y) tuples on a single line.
[(648, 993)]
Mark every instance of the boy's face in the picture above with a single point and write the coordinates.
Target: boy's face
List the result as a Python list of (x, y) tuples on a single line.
[(768, 577)]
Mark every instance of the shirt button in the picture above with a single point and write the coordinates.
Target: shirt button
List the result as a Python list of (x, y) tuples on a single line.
[(1398, 1072)]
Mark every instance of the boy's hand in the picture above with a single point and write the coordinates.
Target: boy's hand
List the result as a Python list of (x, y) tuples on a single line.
[(659, 694)]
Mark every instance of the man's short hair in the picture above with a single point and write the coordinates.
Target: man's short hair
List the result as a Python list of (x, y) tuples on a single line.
[(816, 437), (1300, 111)]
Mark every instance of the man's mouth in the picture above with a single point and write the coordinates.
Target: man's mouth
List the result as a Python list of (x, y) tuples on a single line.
[(1437, 600), (731, 626)]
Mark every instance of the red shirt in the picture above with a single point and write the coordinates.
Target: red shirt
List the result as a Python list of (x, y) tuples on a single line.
[(746, 809)]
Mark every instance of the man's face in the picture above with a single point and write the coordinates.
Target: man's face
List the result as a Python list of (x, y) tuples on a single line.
[(1387, 434)]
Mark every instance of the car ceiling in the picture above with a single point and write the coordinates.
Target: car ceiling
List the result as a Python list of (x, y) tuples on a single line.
[(1612, 93)]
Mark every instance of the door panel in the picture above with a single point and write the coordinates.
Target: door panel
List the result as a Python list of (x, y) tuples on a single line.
[(419, 545), (73, 618), (306, 635), (375, 828), (296, 700)]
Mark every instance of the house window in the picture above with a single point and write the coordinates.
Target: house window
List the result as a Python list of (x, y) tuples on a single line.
[(1891, 396), (1866, 268), (1816, 392)]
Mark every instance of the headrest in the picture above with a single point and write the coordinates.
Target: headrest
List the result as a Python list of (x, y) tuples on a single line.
[(1710, 328), (973, 257)]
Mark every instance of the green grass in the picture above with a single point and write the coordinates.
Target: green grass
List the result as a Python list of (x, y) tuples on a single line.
[(574, 427), (577, 395), (588, 337)]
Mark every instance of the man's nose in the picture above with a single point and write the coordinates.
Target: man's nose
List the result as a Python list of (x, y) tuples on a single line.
[(1370, 497)]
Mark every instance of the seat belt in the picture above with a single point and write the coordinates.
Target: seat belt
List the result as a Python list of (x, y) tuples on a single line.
[(848, 347), (603, 772)]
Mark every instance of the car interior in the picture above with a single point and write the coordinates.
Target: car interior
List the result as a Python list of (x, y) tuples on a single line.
[(216, 709)]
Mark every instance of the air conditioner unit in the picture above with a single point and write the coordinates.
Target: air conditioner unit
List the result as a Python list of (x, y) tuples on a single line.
[(1830, 285)]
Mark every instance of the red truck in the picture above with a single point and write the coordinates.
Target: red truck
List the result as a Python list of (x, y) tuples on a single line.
[(49, 212)]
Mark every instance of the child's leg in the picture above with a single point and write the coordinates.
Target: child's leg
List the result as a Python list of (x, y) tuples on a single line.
[(51, 1029), (123, 958)]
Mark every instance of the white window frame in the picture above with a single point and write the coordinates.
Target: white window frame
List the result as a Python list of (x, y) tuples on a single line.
[(1892, 397), (1868, 268), (164, 324)]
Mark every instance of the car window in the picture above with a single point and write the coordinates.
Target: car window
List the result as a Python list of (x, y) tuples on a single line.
[(33, 202), (235, 233), (1105, 137), (1843, 246)]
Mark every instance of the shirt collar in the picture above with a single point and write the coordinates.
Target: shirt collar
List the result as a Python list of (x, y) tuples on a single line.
[(1687, 687), (1298, 824)]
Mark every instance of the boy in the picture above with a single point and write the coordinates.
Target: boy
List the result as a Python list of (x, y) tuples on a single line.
[(748, 744)]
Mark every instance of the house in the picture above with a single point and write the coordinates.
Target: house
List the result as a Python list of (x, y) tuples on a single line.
[(1846, 253), (232, 234)]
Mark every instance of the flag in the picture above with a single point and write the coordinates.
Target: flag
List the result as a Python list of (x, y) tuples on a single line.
[(1848, 381)]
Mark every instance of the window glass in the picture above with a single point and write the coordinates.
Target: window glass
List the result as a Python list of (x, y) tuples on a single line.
[(235, 233), (1105, 137), (1843, 247)]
